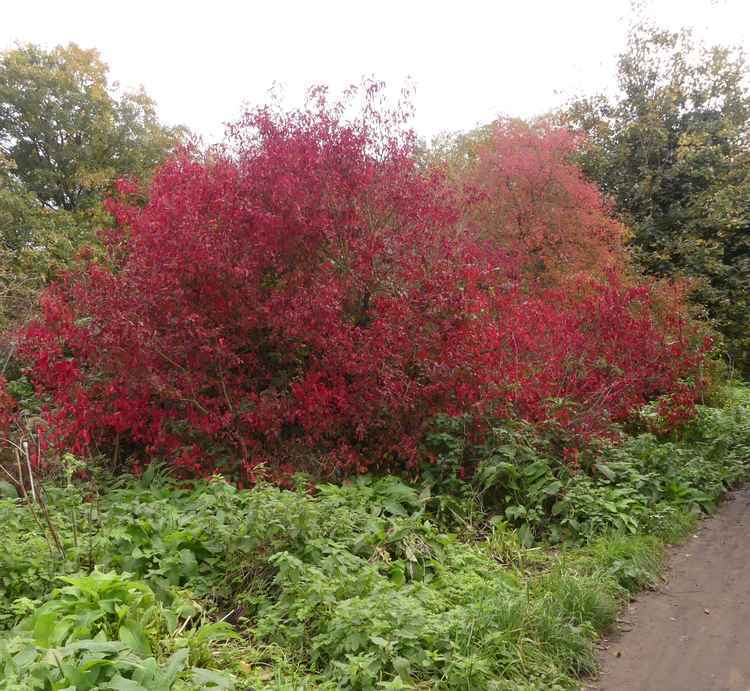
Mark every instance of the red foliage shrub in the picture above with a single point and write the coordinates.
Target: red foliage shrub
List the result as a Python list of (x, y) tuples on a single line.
[(526, 196), (307, 297)]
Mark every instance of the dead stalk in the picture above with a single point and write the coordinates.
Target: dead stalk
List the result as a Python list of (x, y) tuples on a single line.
[(28, 466)]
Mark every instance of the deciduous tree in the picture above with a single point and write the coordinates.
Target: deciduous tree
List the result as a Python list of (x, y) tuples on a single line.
[(66, 134), (671, 149)]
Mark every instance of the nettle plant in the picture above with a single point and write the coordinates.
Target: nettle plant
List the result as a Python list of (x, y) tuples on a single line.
[(310, 297)]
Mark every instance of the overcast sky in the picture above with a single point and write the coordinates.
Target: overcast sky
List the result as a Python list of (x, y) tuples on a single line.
[(470, 60)]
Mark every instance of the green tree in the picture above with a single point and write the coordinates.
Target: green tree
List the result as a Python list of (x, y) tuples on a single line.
[(671, 148), (66, 134), (70, 133)]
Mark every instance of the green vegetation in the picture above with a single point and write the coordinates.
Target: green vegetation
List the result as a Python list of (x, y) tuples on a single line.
[(504, 581), (313, 297), (66, 135), (671, 150)]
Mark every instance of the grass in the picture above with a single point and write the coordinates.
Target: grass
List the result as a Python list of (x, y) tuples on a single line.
[(374, 584)]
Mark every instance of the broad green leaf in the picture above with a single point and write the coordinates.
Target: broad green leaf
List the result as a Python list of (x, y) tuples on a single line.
[(208, 679), (119, 683), (133, 636)]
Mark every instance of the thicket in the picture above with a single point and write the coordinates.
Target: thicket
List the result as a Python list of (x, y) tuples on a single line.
[(154, 584), (311, 297)]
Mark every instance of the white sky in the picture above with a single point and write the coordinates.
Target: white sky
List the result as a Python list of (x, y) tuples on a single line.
[(470, 60)]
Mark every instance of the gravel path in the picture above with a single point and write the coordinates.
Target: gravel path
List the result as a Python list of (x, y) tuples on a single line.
[(693, 633)]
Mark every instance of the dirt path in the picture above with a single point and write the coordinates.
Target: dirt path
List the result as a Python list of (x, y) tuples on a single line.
[(693, 633)]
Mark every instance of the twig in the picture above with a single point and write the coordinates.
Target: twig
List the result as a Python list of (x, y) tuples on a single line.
[(28, 466), (20, 472), (116, 454), (41, 527), (12, 479), (182, 628)]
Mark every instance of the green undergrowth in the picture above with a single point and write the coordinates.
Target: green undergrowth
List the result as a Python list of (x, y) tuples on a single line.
[(501, 582)]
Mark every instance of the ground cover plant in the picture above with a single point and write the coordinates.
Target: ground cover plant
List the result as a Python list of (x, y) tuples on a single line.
[(154, 582)]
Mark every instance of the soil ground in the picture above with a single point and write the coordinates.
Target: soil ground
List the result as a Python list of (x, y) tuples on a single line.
[(693, 632)]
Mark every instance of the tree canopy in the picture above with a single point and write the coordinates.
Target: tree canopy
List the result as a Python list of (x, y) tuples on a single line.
[(68, 131), (671, 149), (66, 134)]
